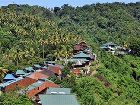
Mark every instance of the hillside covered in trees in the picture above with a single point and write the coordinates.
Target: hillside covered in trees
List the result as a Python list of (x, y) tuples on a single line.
[(30, 34)]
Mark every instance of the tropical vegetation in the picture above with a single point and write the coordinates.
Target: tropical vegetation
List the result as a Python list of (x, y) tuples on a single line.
[(32, 34)]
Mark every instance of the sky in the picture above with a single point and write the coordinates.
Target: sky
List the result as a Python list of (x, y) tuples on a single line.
[(59, 3)]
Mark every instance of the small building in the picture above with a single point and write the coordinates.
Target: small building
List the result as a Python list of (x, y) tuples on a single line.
[(80, 47), (59, 91), (44, 68), (56, 69), (29, 69), (16, 84), (36, 66), (40, 86), (9, 77), (110, 47), (20, 73), (47, 72), (59, 99), (114, 48), (77, 62)]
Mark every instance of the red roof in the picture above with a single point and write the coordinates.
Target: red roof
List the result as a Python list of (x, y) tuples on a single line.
[(77, 47), (38, 75), (51, 84), (81, 46), (40, 88), (55, 69)]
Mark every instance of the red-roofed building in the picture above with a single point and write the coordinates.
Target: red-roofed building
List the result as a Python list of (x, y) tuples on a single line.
[(38, 75), (55, 69), (40, 87), (80, 47), (18, 84)]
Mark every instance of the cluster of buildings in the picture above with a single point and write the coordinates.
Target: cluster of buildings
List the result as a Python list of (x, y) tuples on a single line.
[(115, 49), (33, 81), (82, 58)]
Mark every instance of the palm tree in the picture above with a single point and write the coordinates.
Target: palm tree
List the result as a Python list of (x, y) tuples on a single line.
[(2, 72), (16, 55)]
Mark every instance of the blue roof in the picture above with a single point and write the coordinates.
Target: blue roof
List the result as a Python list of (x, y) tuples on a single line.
[(20, 72), (10, 82), (9, 77), (37, 65), (81, 55)]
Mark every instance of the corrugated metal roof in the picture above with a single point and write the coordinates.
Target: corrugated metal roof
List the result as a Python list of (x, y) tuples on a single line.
[(38, 83), (76, 59), (20, 72), (56, 65), (109, 43), (106, 45), (35, 85), (37, 65), (10, 82), (59, 90), (81, 55), (38, 75), (44, 67), (29, 68), (50, 99), (9, 77), (26, 74), (45, 79)]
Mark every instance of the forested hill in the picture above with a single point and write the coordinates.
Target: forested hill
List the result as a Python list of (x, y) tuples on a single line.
[(117, 22), (30, 34)]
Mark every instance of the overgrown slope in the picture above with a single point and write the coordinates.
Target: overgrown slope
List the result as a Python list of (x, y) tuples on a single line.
[(29, 34)]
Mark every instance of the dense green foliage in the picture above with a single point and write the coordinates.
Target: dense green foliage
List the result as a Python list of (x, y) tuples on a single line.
[(27, 38), (28, 34), (13, 98)]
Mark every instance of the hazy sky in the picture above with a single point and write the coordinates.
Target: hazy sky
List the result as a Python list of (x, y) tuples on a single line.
[(53, 3)]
